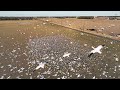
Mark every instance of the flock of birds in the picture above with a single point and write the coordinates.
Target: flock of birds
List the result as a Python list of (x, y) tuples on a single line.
[(95, 50)]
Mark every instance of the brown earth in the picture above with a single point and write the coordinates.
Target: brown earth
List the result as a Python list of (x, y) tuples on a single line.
[(24, 44), (102, 27)]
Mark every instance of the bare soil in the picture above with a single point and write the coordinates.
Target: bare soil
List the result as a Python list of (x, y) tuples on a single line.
[(102, 27)]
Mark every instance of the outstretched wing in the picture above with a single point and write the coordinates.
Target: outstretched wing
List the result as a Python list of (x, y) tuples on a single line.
[(93, 47), (99, 52)]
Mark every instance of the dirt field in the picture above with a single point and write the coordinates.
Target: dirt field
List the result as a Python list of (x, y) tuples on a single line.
[(102, 27), (36, 49)]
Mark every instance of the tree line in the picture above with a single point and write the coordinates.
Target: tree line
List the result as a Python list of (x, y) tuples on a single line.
[(17, 18), (78, 17)]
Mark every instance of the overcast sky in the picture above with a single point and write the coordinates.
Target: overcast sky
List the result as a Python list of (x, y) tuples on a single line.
[(59, 13)]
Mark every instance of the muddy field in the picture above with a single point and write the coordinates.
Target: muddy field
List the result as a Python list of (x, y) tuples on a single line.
[(35, 49), (101, 27)]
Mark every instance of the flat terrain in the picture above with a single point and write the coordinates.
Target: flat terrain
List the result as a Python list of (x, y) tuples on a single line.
[(102, 27), (36, 49)]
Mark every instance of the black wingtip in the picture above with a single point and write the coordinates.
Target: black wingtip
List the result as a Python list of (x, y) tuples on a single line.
[(103, 45), (90, 54), (34, 70)]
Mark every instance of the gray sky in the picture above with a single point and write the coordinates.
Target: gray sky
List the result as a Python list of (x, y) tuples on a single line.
[(59, 13)]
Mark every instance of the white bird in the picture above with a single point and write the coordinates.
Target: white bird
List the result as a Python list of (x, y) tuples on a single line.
[(66, 54), (96, 50), (41, 65)]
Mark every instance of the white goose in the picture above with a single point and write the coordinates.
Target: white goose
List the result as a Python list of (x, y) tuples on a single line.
[(96, 50)]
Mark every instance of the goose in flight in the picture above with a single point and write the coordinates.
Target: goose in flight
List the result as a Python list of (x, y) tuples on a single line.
[(41, 65), (96, 50)]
